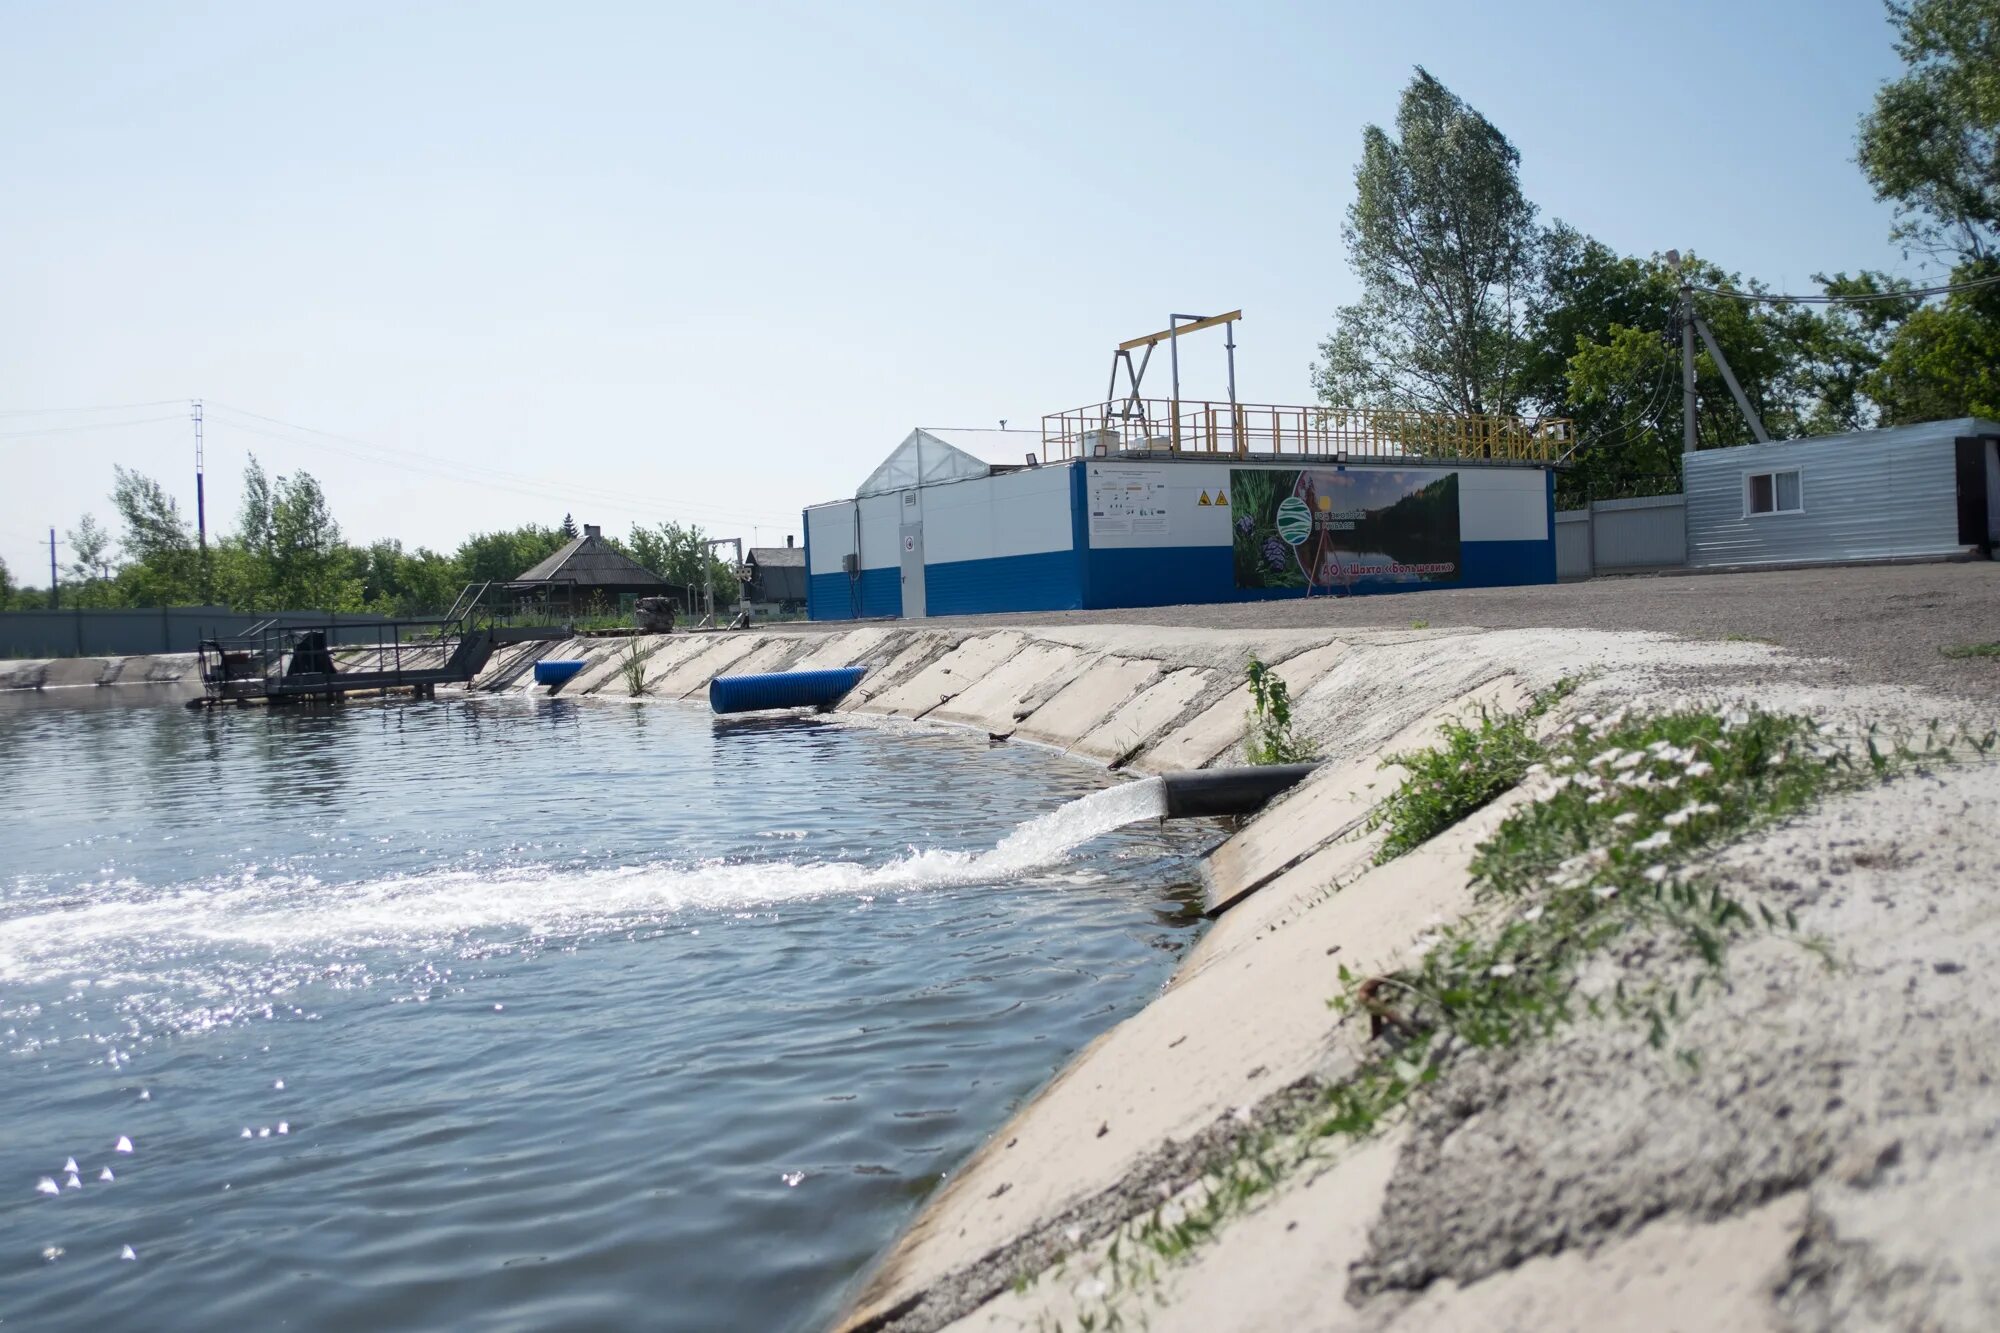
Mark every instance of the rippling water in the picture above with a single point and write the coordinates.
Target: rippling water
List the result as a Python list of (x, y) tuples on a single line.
[(525, 1014)]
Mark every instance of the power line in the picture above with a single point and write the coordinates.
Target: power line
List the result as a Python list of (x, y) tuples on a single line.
[(637, 506), (104, 407), (1913, 293), (94, 425)]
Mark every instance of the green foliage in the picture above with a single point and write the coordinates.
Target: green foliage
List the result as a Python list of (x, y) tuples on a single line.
[(1272, 739), (1469, 767), (1931, 143), (1444, 245), (632, 669), (1963, 650), (679, 553)]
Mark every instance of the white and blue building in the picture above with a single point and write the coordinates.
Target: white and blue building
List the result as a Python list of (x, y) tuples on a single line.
[(937, 531)]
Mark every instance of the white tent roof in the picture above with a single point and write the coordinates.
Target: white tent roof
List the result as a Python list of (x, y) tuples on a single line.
[(922, 459)]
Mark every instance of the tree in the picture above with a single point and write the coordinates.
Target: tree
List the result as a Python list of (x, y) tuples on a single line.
[(90, 549), (1931, 143), (1446, 249), (568, 528), (680, 554), (163, 570), (6, 584)]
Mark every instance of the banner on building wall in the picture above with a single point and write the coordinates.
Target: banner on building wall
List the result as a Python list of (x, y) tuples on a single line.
[(1328, 530), (1128, 502)]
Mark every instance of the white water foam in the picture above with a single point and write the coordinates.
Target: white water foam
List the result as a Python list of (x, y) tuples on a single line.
[(129, 928)]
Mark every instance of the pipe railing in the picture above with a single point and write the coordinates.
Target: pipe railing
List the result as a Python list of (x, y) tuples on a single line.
[(1162, 425)]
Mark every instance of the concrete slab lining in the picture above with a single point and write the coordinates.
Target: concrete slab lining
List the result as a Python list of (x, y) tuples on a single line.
[(1077, 708), (995, 704), (695, 671), (1132, 726), (1222, 724), (948, 677)]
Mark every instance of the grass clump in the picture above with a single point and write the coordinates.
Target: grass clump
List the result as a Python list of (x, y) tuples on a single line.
[(1473, 764), (1272, 738), (1964, 650), (632, 670)]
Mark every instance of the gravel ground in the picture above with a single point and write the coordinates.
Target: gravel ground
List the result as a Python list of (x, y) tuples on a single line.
[(1878, 624)]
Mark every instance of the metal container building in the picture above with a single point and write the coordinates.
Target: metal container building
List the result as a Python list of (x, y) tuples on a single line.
[(1925, 490), (1240, 503)]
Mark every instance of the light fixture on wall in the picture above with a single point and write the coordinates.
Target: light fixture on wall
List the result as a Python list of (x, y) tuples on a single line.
[(1032, 461)]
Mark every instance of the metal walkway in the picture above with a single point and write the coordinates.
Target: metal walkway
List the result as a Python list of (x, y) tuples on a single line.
[(279, 664)]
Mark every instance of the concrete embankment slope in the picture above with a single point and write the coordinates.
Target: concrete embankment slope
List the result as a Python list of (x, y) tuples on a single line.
[(1819, 1167), (166, 676)]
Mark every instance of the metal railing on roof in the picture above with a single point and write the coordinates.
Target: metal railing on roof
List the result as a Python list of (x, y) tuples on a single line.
[(1159, 425)]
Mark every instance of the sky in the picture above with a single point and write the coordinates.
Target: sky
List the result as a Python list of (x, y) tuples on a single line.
[(480, 265)]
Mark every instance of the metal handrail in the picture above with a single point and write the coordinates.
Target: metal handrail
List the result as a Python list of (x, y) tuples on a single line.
[(1239, 429)]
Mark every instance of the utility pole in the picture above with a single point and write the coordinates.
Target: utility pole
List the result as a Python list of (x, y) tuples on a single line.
[(55, 591), (1688, 441), (200, 502)]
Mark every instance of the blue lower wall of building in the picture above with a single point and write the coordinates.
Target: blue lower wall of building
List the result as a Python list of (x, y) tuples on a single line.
[(879, 592), (1173, 575), (1046, 581)]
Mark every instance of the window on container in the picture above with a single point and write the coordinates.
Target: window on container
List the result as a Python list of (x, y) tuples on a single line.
[(1772, 493)]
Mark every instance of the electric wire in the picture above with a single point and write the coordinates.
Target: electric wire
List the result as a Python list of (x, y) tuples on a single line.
[(623, 502), (1914, 293), (94, 425), (102, 407)]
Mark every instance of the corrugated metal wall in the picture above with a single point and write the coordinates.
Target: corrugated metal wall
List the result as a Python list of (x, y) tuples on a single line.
[(1646, 533), (1870, 495), (1573, 544)]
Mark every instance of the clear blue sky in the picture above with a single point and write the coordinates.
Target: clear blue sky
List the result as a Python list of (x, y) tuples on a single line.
[(712, 261)]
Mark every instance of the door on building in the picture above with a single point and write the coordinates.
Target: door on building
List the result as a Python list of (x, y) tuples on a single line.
[(1975, 517), (911, 544)]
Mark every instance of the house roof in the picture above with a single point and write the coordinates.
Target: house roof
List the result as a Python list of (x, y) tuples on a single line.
[(592, 562), (778, 557)]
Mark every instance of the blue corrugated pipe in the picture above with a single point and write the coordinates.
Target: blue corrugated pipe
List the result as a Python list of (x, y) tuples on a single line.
[(782, 689), (556, 672)]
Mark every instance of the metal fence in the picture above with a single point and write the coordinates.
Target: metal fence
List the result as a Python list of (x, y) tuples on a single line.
[(1622, 535), (173, 629)]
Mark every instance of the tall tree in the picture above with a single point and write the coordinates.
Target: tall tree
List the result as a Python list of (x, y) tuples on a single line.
[(1932, 141), (568, 528), (1931, 144), (1445, 246), (156, 540), (90, 551)]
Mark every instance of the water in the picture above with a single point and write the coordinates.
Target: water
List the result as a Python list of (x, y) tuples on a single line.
[(526, 1014)]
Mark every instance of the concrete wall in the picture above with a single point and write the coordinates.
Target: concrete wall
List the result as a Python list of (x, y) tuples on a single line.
[(178, 629), (1871, 495)]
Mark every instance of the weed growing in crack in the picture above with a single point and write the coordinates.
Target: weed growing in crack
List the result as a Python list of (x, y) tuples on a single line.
[(1272, 739), (1473, 764), (632, 668)]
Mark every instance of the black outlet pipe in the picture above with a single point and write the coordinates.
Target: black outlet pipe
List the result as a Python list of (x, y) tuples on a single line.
[(1229, 791)]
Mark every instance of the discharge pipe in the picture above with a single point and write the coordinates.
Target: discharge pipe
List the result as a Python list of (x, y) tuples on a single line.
[(1229, 791)]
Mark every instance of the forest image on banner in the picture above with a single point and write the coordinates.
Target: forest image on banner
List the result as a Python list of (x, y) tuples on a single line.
[(1330, 530)]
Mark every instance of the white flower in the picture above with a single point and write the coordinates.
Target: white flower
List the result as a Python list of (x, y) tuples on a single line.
[(1629, 760), (1501, 970), (1629, 817), (1599, 799), (1609, 756), (1654, 874), (1736, 717), (1660, 747), (1605, 891), (1681, 816), (1533, 913), (1535, 770), (1654, 843), (1563, 761), (1700, 768), (1708, 808), (1424, 944)]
